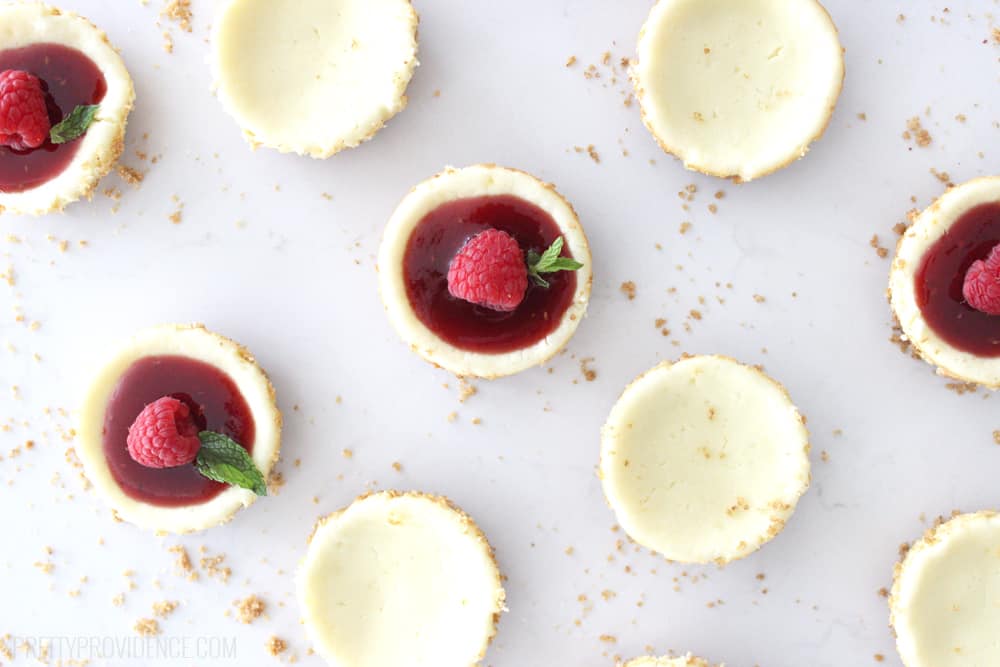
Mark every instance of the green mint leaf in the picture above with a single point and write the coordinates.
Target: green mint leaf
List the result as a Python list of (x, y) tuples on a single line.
[(549, 261), (223, 459), (73, 125), (550, 256)]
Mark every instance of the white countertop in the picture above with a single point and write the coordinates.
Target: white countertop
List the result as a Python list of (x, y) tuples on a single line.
[(261, 256)]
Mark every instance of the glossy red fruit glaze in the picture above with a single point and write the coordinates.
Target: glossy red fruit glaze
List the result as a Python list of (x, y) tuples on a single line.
[(164, 435), (442, 233), (489, 271), (216, 405), (70, 79), (941, 277)]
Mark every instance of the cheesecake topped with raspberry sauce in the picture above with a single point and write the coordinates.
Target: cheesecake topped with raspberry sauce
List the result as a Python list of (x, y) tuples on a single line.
[(180, 429), (65, 96), (945, 283), (485, 271)]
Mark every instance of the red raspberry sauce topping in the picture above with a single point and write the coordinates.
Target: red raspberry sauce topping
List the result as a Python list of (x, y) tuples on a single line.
[(940, 282), (438, 238), (70, 79), (215, 404)]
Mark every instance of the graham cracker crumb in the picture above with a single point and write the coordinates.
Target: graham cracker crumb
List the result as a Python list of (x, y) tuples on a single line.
[(759, 298), (465, 390), (347, 454), (570, 61), (130, 175), (996, 437), (249, 609), (628, 289), (146, 627), (178, 11), (589, 374), (916, 131), (879, 250), (276, 646), (164, 609)]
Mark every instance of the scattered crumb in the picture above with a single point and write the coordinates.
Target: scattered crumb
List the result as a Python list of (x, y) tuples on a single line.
[(996, 437), (879, 250), (628, 289), (915, 130), (130, 175), (164, 609), (862, 116), (589, 374), (397, 466), (759, 298), (276, 646), (178, 11), (685, 227), (347, 454), (570, 61), (250, 609), (146, 627)]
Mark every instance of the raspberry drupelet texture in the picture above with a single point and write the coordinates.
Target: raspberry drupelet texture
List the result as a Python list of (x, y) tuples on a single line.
[(489, 271), (981, 288), (24, 116), (164, 435)]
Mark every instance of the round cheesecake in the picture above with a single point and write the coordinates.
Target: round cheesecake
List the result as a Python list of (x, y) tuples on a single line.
[(78, 66), (704, 460), (738, 88), (945, 601), (208, 371), (432, 224), (400, 579), (925, 284), (314, 77), (687, 661)]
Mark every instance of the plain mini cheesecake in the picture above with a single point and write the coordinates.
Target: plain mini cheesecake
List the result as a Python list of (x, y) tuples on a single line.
[(738, 88), (400, 579), (77, 67), (927, 286), (225, 392), (686, 661), (703, 460), (945, 601), (487, 212), (314, 77)]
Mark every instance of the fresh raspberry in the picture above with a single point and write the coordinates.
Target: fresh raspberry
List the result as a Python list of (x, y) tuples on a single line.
[(982, 284), (164, 435), (24, 117), (489, 271)]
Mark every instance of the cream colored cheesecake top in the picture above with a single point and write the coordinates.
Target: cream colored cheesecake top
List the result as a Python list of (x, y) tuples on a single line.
[(738, 88), (945, 602), (477, 181), (704, 459), (194, 342), (400, 579), (26, 23), (928, 227), (686, 661), (314, 76)]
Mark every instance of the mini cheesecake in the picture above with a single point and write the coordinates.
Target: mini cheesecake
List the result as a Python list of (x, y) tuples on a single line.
[(704, 460), (400, 579), (738, 88), (687, 661), (926, 283), (433, 223), (945, 601), (77, 66), (223, 385), (314, 77)]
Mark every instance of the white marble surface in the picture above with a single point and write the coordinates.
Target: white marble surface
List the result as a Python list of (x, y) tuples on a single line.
[(262, 256)]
